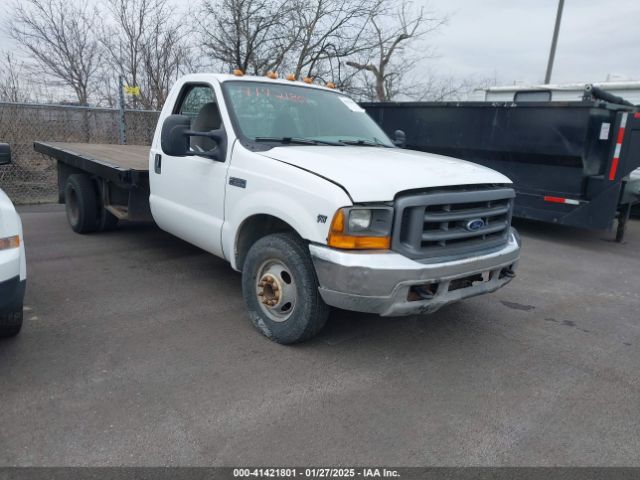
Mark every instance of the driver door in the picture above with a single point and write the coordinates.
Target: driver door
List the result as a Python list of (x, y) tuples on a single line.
[(187, 193)]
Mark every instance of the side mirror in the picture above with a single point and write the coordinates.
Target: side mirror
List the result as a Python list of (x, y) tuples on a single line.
[(176, 133), (5, 154), (173, 138), (400, 139)]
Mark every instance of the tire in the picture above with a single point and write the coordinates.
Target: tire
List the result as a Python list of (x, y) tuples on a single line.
[(278, 269), (81, 203), (10, 324), (108, 221)]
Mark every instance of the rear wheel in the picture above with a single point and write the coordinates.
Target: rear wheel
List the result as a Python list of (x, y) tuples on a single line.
[(280, 289), (81, 201), (10, 324)]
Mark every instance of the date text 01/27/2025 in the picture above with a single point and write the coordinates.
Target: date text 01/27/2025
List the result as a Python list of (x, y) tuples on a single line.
[(315, 472)]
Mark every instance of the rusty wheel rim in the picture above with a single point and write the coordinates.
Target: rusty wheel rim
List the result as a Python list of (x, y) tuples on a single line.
[(276, 290)]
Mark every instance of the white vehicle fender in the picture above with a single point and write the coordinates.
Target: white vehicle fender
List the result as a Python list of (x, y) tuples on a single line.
[(13, 261), (301, 199)]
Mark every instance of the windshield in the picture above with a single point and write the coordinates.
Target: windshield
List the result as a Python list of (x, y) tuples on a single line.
[(291, 114)]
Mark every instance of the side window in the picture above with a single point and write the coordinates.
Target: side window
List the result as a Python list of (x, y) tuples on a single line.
[(195, 97), (199, 104)]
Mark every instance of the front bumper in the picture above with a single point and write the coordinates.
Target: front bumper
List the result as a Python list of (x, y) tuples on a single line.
[(384, 282), (12, 295)]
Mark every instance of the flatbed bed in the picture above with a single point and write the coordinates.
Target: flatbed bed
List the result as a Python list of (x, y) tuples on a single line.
[(120, 172), (117, 162)]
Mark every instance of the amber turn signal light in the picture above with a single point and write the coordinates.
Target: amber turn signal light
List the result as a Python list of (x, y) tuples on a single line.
[(9, 242), (339, 239)]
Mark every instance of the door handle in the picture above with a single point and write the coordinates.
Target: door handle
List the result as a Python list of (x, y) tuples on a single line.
[(157, 164)]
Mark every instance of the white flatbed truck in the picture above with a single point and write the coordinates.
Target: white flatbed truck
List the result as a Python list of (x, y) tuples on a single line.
[(298, 189)]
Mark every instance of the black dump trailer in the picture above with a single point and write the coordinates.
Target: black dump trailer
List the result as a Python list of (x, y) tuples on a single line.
[(570, 162)]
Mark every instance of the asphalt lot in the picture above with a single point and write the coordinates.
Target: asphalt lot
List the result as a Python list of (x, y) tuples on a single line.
[(136, 351)]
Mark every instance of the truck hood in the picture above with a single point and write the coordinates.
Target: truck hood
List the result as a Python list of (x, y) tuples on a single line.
[(375, 174)]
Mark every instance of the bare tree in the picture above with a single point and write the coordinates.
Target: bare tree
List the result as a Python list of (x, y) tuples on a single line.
[(302, 37), (14, 79), (252, 35), (148, 45), (328, 30), (59, 35), (394, 26), (106, 94), (123, 39), (165, 57)]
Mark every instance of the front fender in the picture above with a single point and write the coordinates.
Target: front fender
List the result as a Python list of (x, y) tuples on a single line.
[(302, 199), (305, 222)]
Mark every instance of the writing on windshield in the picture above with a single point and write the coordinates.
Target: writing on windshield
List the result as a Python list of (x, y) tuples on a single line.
[(263, 110)]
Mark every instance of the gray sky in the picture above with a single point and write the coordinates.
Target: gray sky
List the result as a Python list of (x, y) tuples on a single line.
[(510, 39)]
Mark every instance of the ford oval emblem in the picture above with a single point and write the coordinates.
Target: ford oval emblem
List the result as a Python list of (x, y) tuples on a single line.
[(474, 225)]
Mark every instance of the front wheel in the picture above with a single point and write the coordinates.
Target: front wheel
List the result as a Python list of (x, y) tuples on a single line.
[(280, 289), (10, 324)]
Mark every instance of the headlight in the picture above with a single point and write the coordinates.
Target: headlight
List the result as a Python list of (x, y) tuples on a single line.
[(359, 220), (9, 242), (361, 228)]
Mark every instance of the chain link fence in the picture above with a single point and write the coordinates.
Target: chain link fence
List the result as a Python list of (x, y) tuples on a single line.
[(31, 178)]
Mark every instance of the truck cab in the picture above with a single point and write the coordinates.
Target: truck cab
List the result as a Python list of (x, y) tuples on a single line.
[(304, 194)]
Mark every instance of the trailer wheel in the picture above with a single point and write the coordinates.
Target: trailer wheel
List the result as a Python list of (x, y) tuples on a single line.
[(280, 289), (81, 200), (10, 324)]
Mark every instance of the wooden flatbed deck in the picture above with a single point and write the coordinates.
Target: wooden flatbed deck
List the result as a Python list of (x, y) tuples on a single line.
[(123, 163)]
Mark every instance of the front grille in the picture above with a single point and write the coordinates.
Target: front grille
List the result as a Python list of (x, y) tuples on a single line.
[(452, 223)]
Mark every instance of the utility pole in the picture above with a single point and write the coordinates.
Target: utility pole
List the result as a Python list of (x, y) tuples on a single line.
[(554, 42), (123, 133)]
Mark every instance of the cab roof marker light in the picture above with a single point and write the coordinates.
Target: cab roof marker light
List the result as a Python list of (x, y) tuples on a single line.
[(331, 85), (238, 73), (272, 75), (307, 80), (291, 77)]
